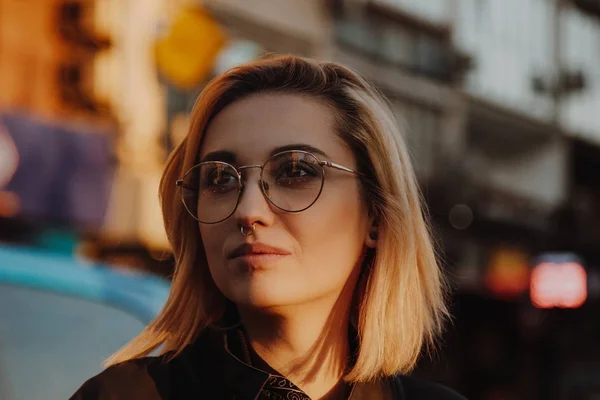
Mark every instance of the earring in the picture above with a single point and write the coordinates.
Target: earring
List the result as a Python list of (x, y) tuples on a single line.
[(373, 235)]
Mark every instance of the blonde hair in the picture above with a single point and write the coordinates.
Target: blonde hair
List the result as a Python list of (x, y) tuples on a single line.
[(402, 308)]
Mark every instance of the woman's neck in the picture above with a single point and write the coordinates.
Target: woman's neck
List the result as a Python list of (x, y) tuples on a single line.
[(307, 344)]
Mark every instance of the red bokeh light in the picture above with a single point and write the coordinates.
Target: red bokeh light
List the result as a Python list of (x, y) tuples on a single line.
[(561, 285)]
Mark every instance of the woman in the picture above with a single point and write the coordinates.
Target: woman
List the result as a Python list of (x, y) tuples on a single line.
[(305, 269)]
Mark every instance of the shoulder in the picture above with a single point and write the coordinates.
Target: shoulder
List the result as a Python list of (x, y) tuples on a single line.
[(197, 369), (132, 379), (415, 388)]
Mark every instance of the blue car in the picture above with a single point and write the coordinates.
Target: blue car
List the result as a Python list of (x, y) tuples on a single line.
[(60, 318)]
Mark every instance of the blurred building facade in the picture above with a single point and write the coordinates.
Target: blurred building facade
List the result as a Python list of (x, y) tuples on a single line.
[(62, 132), (47, 63)]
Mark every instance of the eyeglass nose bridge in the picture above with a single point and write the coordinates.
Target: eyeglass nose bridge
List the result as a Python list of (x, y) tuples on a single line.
[(243, 167), (264, 186)]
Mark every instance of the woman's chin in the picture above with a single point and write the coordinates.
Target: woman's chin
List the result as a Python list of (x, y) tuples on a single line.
[(267, 296), (264, 300)]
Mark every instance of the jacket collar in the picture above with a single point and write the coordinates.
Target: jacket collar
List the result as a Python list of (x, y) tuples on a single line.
[(246, 375), (251, 377)]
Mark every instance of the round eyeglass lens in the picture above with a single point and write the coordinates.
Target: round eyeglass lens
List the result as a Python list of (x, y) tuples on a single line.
[(293, 180), (210, 191)]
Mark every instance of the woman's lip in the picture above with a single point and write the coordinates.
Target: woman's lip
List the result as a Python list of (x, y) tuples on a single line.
[(256, 248), (258, 260), (260, 256)]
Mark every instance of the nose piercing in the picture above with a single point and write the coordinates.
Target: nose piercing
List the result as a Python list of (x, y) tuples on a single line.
[(247, 230)]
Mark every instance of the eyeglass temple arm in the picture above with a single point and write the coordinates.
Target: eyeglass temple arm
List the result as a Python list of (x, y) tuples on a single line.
[(340, 167), (180, 183)]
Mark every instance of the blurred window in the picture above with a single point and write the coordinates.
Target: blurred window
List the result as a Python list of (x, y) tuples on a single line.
[(433, 10), (396, 39)]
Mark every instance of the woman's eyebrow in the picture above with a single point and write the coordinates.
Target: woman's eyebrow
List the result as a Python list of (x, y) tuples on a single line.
[(221, 155), (230, 157), (299, 146)]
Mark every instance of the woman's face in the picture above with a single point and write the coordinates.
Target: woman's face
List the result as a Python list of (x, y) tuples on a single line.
[(316, 250)]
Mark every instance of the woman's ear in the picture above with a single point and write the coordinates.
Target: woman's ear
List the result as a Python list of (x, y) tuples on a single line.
[(372, 234)]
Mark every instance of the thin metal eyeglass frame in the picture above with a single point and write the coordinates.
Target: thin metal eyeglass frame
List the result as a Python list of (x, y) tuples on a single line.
[(180, 182)]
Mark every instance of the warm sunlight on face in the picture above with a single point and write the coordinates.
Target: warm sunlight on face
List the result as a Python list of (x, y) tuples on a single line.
[(313, 252)]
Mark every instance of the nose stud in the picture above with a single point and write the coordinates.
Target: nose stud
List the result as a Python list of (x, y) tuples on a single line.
[(247, 230)]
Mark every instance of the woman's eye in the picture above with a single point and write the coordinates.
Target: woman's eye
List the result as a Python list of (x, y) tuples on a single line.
[(219, 181), (295, 172), (222, 179)]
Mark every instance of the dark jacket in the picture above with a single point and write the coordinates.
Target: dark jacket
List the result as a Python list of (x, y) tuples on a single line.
[(220, 365)]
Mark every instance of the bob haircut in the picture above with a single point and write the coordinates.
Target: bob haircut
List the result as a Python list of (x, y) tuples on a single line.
[(400, 307)]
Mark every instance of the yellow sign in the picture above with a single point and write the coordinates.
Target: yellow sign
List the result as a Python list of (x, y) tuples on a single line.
[(186, 55)]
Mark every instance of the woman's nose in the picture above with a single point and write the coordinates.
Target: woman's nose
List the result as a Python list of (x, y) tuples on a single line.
[(253, 207)]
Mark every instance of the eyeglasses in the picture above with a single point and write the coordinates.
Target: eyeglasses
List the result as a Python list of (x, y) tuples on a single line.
[(291, 181)]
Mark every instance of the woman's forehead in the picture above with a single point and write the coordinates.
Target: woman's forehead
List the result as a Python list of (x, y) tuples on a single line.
[(260, 125)]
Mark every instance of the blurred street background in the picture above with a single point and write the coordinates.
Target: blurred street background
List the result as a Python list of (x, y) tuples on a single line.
[(500, 104)]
